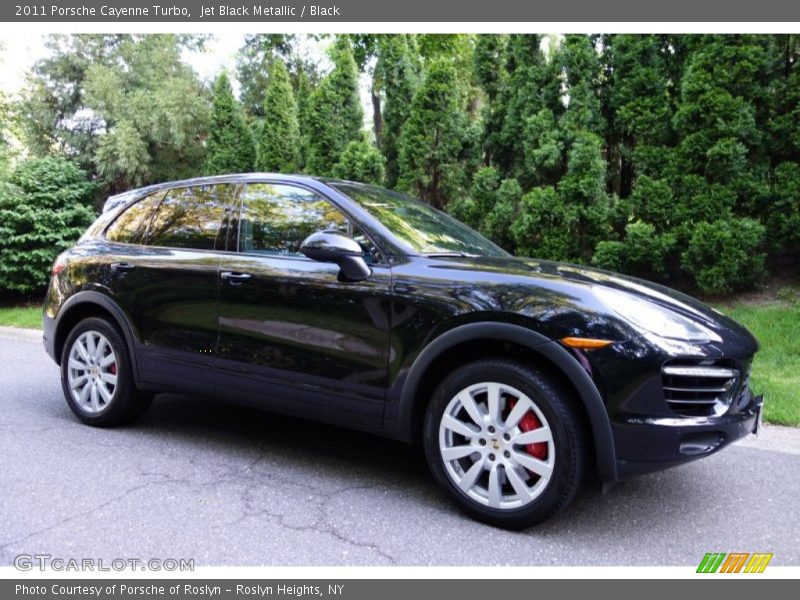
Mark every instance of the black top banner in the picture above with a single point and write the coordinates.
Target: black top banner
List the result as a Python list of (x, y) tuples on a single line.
[(148, 11)]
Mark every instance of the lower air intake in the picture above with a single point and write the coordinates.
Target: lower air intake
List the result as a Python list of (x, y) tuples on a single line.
[(699, 389)]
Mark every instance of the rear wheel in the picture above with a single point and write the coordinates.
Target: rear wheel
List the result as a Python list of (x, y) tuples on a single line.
[(96, 375), (503, 440)]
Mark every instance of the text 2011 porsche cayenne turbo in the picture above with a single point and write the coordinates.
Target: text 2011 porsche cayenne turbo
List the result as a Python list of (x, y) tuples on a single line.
[(355, 305)]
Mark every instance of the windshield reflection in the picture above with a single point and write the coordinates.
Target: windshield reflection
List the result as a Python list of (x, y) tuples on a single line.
[(421, 228)]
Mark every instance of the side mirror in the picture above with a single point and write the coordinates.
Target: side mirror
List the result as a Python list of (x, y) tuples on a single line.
[(326, 246)]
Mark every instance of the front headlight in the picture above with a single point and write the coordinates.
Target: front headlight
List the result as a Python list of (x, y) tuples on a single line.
[(651, 317)]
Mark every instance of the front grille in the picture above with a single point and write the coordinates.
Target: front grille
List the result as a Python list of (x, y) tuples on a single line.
[(699, 389)]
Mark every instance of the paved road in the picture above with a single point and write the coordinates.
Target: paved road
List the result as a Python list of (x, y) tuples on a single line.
[(232, 486)]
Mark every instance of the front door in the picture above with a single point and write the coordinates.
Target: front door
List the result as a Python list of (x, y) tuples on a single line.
[(292, 335)]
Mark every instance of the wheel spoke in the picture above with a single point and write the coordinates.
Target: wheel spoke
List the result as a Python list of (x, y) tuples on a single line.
[(104, 392), (107, 360), (95, 397), (459, 427), (91, 345), (471, 476), (493, 402), (520, 408), (495, 491), (535, 436), (84, 394), (457, 452), (75, 384), (108, 378), (82, 350), (100, 349), (539, 467), (472, 409), (78, 365), (519, 485)]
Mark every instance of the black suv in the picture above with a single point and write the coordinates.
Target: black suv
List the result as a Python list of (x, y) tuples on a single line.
[(359, 306)]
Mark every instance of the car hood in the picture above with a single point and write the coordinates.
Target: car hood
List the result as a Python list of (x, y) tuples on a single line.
[(587, 277)]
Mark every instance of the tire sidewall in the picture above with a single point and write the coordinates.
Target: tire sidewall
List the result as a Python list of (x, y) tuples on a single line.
[(545, 395)]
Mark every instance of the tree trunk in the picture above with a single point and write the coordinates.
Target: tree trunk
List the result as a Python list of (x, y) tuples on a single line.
[(377, 118)]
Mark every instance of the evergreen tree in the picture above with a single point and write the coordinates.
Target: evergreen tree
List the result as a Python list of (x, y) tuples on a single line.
[(565, 145), (720, 171), (279, 143), (432, 138), (491, 56), (230, 147), (253, 65), (533, 105), (720, 140), (640, 107), (303, 97), (335, 116), (398, 69)]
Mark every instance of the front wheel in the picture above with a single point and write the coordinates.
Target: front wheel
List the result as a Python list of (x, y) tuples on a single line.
[(96, 375), (504, 441)]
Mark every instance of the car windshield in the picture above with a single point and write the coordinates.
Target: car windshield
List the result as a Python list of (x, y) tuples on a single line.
[(421, 228)]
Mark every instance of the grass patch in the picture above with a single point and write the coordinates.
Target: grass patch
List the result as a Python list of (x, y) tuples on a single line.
[(776, 368), (26, 316)]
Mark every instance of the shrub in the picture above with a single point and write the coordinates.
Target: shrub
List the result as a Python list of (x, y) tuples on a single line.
[(725, 255), (546, 226), (362, 162), (641, 253), (474, 208), (44, 207), (652, 202)]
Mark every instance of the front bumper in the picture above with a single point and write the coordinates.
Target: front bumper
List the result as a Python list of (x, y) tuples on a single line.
[(645, 445)]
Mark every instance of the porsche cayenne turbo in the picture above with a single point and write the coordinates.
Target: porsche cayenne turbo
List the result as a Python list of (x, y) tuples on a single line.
[(359, 306)]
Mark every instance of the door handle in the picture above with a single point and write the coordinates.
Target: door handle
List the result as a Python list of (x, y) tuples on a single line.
[(122, 267), (234, 278)]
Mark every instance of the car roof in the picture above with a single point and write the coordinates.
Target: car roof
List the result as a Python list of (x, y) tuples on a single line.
[(137, 193)]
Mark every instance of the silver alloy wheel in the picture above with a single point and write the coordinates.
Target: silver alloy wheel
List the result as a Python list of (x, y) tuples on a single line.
[(92, 372), (483, 447)]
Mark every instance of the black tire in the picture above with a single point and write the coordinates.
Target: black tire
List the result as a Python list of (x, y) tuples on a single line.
[(126, 402), (569, 439)]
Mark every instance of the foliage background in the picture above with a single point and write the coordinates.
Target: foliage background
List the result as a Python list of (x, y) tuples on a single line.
[(672, 157)]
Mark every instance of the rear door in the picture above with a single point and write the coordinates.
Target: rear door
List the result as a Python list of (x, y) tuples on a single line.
[(169, 284), (292, 335)]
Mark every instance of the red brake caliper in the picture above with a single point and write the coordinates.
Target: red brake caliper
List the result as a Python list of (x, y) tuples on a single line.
[(113, 369), (529, 422)]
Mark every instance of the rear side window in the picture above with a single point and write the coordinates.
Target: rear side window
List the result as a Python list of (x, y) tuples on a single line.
[(130, 226), (192, 217)]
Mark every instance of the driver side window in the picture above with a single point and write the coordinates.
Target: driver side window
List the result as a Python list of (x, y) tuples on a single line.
[(276, 218)]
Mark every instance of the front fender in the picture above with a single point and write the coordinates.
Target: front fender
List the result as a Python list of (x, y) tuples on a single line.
[(399, 417)]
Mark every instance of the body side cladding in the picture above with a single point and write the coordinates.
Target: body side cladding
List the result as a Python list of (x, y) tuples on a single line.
[(538, 343)]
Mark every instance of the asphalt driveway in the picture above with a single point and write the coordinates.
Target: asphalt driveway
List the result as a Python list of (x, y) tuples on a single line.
[(227, 485)]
